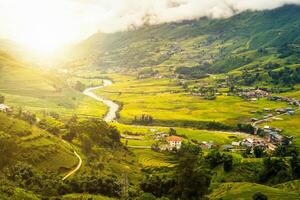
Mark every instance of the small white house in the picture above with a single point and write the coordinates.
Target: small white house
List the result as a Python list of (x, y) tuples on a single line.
[(4, 108), (174, 142)]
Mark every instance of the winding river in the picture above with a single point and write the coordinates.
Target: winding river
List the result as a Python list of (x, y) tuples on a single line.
[(112, 106)]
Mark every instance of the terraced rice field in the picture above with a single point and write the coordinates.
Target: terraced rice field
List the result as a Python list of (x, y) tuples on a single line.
[(149, 158)]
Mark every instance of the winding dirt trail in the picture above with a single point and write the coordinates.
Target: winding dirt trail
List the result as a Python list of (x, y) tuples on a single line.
[(76, 169)]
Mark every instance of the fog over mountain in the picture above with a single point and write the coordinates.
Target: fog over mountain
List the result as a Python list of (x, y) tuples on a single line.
[(135, 12), (65, 21)]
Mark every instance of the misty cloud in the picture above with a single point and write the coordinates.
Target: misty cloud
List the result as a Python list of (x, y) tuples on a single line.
[(65, 21), (127, 12)]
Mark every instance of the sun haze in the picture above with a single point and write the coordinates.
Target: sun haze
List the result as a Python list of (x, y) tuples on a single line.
[(45, 26)]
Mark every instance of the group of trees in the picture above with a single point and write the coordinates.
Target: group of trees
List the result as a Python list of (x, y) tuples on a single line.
[(48, 184), (285, 76), (143, 119), (26, 116), (189, 181), (192, 72), (94, 132), (207, 92), (215, 158), (249, 78), (276, 170), (79, 86)]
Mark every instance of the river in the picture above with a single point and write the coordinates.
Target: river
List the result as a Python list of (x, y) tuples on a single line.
[(113, 108)]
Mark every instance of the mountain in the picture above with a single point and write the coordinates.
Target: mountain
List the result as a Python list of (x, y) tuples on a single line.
[(214, 45)]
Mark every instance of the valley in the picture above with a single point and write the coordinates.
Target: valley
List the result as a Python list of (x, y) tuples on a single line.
[(194, 109)]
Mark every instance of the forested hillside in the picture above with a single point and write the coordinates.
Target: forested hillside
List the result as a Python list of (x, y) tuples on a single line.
[(208, 45)]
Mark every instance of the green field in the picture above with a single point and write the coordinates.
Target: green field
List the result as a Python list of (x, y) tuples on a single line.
[(149, 158), (217, 137), (159, 102), (245, 191), (32, 89)]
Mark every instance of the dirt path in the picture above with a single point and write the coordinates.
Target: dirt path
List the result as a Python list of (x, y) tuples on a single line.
[(78, 165), (273, 117), (76, 169)]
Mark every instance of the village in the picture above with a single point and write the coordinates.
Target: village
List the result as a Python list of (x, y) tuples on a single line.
[(266, 137)]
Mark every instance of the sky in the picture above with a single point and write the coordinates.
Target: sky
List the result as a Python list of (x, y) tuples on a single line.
[(45, 25)]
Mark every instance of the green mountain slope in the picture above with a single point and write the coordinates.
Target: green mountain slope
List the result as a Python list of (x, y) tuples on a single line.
[(34, 89), (214, 45), (33, 146)]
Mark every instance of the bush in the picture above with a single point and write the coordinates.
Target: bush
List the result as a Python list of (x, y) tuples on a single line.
[(228, 161), (259, 196)]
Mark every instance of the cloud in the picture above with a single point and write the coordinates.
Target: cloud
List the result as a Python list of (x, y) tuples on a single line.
[(64, 21), (128, 12)]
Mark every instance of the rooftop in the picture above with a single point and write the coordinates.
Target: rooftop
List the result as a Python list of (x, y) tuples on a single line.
[(174, 139)]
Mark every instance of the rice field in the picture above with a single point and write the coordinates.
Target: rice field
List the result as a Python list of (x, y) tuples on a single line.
[(156, 97), (149, 158)]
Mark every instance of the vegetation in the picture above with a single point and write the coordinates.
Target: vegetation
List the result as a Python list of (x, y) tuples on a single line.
[(196, 79)]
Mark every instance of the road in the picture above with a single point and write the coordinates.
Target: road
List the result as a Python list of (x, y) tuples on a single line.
[(254, 124), (76, 169)]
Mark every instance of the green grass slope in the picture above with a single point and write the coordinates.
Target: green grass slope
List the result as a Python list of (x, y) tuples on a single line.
[(38, 147), (245, 191), (34, 89)]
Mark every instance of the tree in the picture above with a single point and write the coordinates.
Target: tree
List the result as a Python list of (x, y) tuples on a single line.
[(281, 151), (214, 158), (276, 170), (87, 144), (258, 152), (2, 99), (147, 196), (228, 161), (79, 86), (172, 131), (295, 165), (192, 177), (259, 196)]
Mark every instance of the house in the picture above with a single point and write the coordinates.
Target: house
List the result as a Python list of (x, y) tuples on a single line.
[(174, 142), (4, 108), (235, 143), (275, 137), (280, 110), (248, 142), (227, 147), (254, 119), (206, 145)]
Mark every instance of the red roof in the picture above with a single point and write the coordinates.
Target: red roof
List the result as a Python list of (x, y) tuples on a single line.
[(174, 139)]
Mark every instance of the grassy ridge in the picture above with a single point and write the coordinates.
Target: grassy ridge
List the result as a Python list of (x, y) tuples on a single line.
[(244, 191), (38, 147)]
